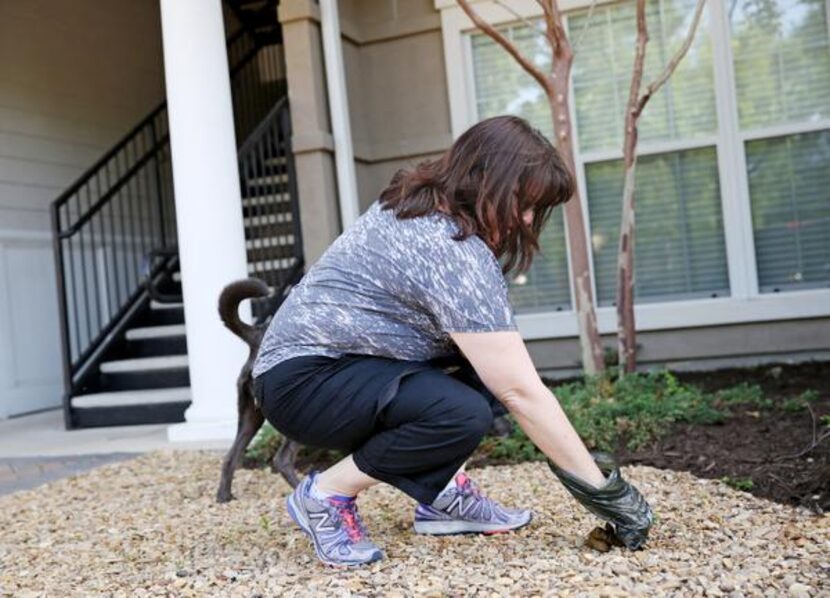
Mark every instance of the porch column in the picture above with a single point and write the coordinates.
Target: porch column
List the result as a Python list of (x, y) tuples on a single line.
[(208, 209)]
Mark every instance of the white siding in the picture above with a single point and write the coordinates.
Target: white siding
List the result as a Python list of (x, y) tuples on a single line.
[(75, 76)]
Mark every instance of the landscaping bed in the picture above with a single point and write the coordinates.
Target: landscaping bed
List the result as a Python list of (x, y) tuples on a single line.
[(760, 449)]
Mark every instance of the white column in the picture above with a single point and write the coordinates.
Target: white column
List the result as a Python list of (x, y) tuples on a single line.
[(208, 209)]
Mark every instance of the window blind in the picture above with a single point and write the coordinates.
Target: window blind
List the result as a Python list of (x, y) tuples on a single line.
[(781, 51), (684, 108), (679, 251), (781, 54), (789, 184)]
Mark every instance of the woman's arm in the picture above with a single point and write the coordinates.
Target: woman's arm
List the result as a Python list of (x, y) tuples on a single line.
[(502, 362)]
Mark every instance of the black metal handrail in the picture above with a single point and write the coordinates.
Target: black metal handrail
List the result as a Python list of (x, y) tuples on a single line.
[(120, 213), (269, 192)]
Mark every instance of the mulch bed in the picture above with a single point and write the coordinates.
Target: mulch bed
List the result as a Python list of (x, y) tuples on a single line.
[(757, 445)]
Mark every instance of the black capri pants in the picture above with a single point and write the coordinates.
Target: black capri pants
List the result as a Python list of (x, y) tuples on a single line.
[(411, 424)]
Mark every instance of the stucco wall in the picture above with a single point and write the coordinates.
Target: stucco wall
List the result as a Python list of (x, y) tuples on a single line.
[(393, 57)]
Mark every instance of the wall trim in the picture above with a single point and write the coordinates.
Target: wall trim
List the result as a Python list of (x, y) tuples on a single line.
[(364, 35), (290, 11), (312, 141), (372, 153), (793, 305), (10, 234)]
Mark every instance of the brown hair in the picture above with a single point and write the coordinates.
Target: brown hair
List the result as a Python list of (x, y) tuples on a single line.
[(495, 171)]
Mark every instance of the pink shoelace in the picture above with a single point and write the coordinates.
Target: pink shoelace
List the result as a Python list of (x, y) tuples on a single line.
[(347, 509)]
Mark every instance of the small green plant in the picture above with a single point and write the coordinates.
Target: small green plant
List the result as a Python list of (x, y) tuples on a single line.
[(745, 484), (793, 405), (825, 419), (809, 396), (264, 445), (264, 522), (800, 402), (744, 394)]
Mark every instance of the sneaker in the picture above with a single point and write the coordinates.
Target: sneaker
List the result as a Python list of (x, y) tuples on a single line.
[(464, 509), (336, 529)]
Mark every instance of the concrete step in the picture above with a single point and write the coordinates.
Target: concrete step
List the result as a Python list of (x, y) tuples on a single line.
[(286, 241), (132, 397), (145, 332), (268, 265), (142, 364), (157, 305), (267, 219), (273, 179), (265, 200)]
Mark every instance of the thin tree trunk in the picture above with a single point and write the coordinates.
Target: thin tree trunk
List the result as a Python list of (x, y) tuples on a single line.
[(556, 86), (590, 343), (626, 326)]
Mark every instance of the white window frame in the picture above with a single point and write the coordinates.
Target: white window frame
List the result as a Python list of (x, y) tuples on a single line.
[(745, 304)]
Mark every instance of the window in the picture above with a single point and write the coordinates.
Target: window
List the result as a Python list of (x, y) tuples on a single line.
[(679, 248), (678, 239), (679, 244), (781, 57)]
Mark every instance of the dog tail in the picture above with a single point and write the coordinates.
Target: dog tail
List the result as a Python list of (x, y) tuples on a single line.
[(229, 300)]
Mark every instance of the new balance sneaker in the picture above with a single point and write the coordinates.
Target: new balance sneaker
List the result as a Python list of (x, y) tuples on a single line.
[(464, 509), (336, 529)]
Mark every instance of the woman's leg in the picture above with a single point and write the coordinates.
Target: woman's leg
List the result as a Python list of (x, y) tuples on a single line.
[(344, 478), (426, 434)]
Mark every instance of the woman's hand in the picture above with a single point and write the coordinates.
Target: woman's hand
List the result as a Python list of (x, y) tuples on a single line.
[(617, 501)]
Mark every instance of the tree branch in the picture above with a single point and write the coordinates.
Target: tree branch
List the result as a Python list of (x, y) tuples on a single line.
[(524, 20), (655, 85), (505, 43), (577, 43)]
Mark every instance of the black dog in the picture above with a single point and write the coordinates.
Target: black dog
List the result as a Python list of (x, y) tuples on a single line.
[(250, 413)]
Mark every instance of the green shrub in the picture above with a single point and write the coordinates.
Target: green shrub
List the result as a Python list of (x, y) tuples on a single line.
[(264, 445), (744, 394)]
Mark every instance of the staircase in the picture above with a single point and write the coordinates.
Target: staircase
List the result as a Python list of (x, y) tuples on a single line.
[(114, 235)]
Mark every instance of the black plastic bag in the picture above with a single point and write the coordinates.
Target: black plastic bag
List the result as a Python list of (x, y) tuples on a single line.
[(617, 501)]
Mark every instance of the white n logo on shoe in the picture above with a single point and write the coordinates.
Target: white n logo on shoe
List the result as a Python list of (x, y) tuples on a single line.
[(322, 518), (458, 503)]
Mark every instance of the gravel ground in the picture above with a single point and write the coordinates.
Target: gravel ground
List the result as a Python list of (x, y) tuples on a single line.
[(150, 527)]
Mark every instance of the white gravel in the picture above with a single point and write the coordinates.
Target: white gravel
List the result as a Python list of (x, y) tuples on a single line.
[(150, 527)]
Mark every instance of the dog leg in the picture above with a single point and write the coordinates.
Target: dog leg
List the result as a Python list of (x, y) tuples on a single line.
[(250, 421), (285, 459)]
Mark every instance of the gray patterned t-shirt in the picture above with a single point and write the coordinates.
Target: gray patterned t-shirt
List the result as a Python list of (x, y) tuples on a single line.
[(390, 288)]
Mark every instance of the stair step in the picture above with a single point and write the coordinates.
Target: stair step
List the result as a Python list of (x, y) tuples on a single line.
[(268, 265), (132, 397), (141, 364), (158, 305), (288, 240), (145, 332), (253, 201), (267, 219), (274, 179)]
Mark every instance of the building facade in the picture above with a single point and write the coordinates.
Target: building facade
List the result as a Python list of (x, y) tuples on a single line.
[(733, 202)]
